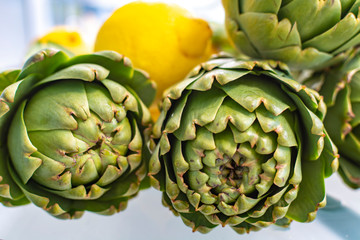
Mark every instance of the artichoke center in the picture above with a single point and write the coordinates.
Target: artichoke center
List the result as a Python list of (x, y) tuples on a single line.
[(232, 171)]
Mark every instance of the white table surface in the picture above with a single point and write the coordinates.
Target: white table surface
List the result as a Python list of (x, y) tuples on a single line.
[(146, 218)]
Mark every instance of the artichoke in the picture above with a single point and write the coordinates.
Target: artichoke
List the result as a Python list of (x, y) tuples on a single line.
[(72, 133), (305, 34), (241, 143), (340, 86)]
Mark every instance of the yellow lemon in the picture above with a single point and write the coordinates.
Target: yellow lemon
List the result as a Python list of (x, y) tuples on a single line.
[(165, 40), (66, 38)]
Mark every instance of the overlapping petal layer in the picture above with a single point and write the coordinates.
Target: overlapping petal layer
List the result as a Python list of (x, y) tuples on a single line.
[(302, 33), (340, 87), (241, 143), (73, 133)]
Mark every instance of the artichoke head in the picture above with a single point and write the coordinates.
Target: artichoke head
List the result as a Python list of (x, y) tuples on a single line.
[(240, 143), (340, 86), (73, 132), (305, 34)]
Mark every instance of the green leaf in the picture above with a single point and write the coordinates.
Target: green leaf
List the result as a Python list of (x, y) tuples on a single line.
[(311, 191)]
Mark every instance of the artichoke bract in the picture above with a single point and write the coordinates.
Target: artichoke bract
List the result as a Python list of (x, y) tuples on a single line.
[(240, 143), (340, 86), (305, 34), (73, 132)]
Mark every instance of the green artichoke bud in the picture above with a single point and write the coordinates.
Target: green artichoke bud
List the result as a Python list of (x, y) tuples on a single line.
[(305, 34), (340, 86), (241, 143), (72, 133)]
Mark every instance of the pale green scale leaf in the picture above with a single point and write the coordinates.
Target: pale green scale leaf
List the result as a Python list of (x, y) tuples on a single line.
[(179, 163), (336, 36), (251, 176), (109, 127), (271, 199), (100, 101), (203, 83), (312, 17), (248, 152), (174, 118), (201, 110), (283, 158), (95, 156), (131, 104), (137, 140), (51, 173), (250, 91), (291, 195), (84, 171), (233, 112), (154, 164), (204, 139), (282, 125), (96, 192), (80, 193), (197, 181), (214, 63), (118, 92), (208, 209), (110, 174), (172, 189), (176, 91), (8, 188), (7, 98), (229, 195), (107, 156), (244, 204), (193, 156), (181, 183), (21, 147), (193, 197), (211, 158), (297, 58), (240, 65), (123, 133), (265, 143), (56, 144), (50, 108), (134, 161), (89, 130), (84, 72), (267, 177), (266, 32), (122, 164), (236, 220), (225, 144), (224, 76), (43, 63), (214, 176)]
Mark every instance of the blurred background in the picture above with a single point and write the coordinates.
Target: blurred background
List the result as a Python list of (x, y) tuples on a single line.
[(22, 21)]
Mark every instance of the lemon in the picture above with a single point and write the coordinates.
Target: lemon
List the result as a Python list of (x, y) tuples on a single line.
[(64, 37), (165, 40)]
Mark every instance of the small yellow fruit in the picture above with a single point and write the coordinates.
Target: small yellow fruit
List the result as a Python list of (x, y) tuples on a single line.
[(66, 38), (162, 39)]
